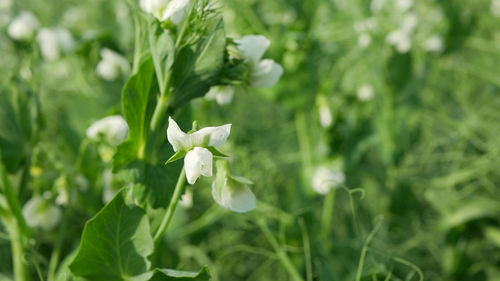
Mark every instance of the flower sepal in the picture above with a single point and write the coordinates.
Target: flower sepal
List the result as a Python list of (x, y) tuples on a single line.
[(178, 155)]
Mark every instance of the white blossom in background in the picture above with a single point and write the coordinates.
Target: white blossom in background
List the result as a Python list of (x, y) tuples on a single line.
[(401, 37), (232, 192), (363, 28), (365, 92), (174, 10), (186, 200), (111, 65), (377, 5), (400, 40), (364, 40), (113, 128), (404, 5), (495, 7), (325, 114), (41, 213), (198, 159), (222, 94), (74, 16), (325, 179), (233, 195), (54, 41), (24, 26), (433, 44), (264, 73), (5, 5), (107, 186)]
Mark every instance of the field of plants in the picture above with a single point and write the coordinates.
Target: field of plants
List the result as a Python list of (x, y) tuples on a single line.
[(256, 140)]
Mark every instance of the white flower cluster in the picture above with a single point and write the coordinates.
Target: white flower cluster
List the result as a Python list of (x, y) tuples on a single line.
[(263, 73), (231, 192)]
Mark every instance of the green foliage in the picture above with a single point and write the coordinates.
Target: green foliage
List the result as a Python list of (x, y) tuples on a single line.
[(115, 243)]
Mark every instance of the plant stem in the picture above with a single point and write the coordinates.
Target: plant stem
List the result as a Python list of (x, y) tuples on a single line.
[(179, 187), (280, 253), (56, 253), (18, 229), (327, 214)]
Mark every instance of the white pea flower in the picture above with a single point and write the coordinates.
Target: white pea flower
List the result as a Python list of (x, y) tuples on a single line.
[(222, 94), (111, 65), (175, 10), (365, 25), (325, 114), (433, 44), (495, 8), (365, 92), (40, 213), (54, 41), (23, 27), (232, 192), (377, 5), (325, 179), (197, 147), (399, 39), (186, 200), (5, 4), (113, 128), (410, 21), (264, 73), (364, 40), (404, 5)]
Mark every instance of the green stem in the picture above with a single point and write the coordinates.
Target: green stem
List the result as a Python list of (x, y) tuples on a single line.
[(56, 253), (18, 229), (179, 187), (327, 214), (302, 135), (21, 270), (280, 252)]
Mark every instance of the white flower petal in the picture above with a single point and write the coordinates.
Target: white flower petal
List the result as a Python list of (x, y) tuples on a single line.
[(324, 179), (253, 47), (211, 136), (223, 94), (49, 44), (114, 128), (198, 161), (176, 137), (265, 74), (39, 213), (233, 196), (176, 11), (23, 26)]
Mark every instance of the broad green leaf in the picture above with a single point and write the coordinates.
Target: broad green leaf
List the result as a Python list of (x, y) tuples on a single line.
[(475, 208), (18, 112), (162, 51), (11, 134), (115, 243), (138, 101), (178, 275), (197, 66)]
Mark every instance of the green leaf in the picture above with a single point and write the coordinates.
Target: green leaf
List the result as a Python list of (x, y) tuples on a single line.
[(162, 50), (178, 275), (138, 102), (197, 66), (11, 134), (216, 152), (178, 155), (115, 243)]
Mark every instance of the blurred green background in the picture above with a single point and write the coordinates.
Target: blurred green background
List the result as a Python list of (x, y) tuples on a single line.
[(413, 88)]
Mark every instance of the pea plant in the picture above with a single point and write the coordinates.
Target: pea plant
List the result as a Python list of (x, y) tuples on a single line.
[(181, 52)]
